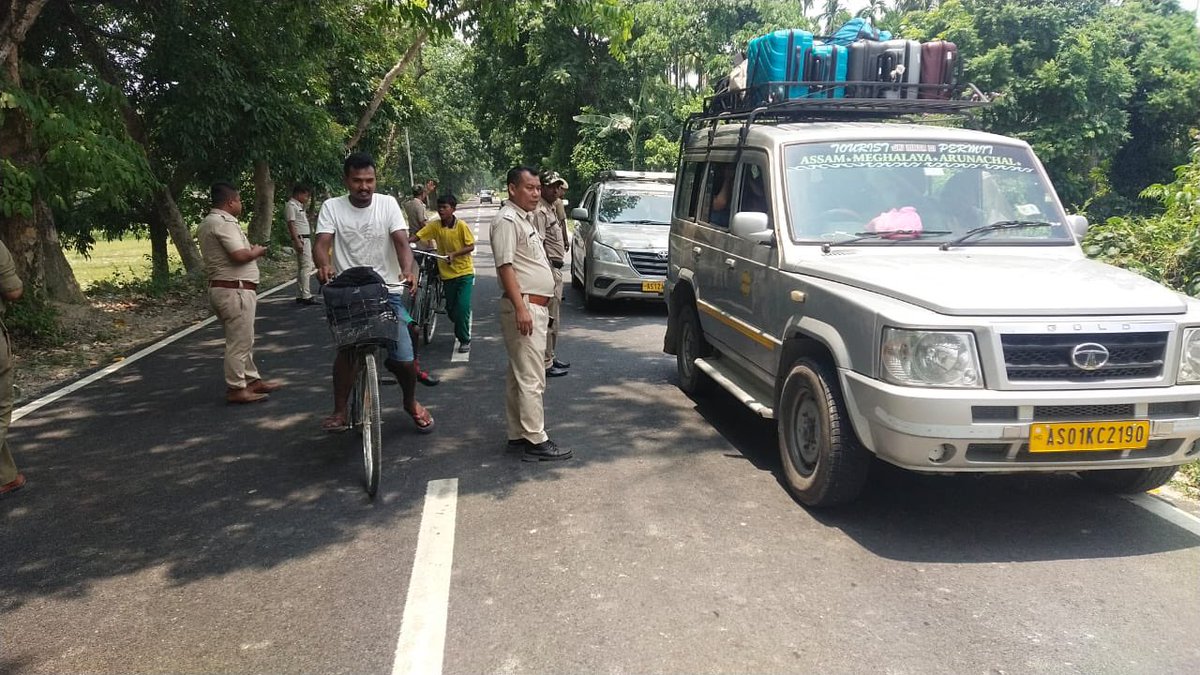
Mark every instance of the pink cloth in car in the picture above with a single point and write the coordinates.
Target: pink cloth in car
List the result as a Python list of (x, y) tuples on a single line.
[(904, 222)]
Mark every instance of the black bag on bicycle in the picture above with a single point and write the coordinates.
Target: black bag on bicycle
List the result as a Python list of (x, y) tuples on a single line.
[(357, 309)]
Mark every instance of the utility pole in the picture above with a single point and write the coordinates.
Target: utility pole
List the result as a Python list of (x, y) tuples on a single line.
[(408, 154)]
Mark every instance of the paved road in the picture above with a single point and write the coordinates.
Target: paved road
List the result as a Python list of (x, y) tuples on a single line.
[(165, 531)]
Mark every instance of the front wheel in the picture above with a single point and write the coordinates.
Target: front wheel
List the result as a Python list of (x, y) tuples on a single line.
[(1129, 481), (429, 315), (367, 393), (823, 462), (692, 346)]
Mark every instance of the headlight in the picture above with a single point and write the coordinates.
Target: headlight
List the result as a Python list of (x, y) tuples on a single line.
[(604, 253), (1189, 358), (924, 358)]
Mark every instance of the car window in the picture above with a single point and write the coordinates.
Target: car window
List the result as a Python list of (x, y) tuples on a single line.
[(752, 191), (589, 201), (689, 190), (717, 195), (635, 208), (933, 192)]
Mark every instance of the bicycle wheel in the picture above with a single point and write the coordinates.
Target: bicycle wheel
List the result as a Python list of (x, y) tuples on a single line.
[(372, 437), (429, 312), (354, 414)]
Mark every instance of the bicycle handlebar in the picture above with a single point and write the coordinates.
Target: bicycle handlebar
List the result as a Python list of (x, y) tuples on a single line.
[(421, 251)]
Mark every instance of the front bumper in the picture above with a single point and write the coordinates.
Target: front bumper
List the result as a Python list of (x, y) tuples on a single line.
[(613, 281), (947, 430)]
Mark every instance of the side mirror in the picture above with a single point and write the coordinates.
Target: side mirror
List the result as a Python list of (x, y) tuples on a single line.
[(580, 214), (753, 226), (1078, 225)]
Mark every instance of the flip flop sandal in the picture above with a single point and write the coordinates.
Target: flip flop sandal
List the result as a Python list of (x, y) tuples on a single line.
[(334, 424), (424, 421)]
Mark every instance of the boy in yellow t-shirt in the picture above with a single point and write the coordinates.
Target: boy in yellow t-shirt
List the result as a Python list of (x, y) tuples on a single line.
[(454, 240)]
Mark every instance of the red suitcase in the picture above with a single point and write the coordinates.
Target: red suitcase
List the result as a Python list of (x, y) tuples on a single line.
[(939, 69)]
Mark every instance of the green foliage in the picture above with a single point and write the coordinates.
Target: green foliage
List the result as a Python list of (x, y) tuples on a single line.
[(33, 320), (1164, 247)]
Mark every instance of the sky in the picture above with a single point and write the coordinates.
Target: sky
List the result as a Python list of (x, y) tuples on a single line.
[(1190, 5)]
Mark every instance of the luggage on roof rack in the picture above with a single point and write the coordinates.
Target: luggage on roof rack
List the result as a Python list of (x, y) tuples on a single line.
[(817, 106)]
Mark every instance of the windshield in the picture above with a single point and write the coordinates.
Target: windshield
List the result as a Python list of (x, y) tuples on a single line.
[(919, 193), (636, 207)]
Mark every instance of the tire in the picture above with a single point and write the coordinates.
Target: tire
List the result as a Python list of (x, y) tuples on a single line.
[(823, 462), (575, 282), (372, 438), (1129, 481), (590, 302), (428, 316), (691, 346)]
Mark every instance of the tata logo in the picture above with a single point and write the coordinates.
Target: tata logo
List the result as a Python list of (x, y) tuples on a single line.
[(1089, 356)]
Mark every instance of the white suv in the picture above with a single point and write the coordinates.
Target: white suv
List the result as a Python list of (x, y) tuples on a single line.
[(918, 294), (619, 248)]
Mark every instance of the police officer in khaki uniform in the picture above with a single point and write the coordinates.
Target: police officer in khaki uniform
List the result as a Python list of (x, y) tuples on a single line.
[(526, 284), (301, 235), (415, 208), (232, 269), (10, 291), (553, 233)]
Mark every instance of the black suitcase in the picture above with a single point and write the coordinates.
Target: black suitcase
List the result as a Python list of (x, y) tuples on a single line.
[(864, 69)]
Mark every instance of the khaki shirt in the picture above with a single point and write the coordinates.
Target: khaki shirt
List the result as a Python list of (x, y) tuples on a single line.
[(9, 281), (551, 230), (414, 214), (515, 241), (220, 234), (294, 213)]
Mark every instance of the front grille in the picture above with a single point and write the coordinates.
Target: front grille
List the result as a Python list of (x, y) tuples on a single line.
[(993, 413), (1047, 356), (648, 263)]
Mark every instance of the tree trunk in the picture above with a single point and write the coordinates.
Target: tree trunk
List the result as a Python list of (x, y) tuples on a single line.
[(264, 204), (159, 258), (32, 238), (165, 214), (16, 23)]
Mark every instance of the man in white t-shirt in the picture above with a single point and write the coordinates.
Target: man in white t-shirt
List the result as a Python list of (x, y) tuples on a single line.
[(364, 229)]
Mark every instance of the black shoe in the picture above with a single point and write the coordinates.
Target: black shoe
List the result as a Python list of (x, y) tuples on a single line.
[(546, 451), (427, 379), (555, 371), (306, 301), (560, 364)]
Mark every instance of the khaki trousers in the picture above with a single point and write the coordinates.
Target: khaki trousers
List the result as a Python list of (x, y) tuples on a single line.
[(526, 374), (304, 269), (555, 307), (8, 468), (235, 308)]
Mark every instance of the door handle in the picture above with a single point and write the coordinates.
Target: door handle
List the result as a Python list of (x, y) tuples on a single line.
[(696, 251), (729, 262)]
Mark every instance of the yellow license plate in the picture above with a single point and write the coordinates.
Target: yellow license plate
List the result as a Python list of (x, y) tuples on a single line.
[(1085, 436), (652, 287)]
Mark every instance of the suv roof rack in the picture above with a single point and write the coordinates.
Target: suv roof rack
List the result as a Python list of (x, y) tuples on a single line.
[(758, 104)]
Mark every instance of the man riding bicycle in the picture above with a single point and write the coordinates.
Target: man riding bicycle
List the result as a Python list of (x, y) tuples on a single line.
[(370, 231)]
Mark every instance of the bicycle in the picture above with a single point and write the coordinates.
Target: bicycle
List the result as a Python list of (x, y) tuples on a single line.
[(361, 320), (431, 295)]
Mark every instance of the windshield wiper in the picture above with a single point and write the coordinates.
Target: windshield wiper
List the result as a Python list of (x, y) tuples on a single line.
[(643, 221), (994, 227), (863, 236)]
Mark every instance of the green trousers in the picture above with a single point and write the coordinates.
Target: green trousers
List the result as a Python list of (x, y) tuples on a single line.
[(458, 305), (8, 468)]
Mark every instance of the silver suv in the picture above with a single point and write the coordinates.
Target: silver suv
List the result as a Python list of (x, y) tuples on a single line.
[(918, 294), (619, 249)]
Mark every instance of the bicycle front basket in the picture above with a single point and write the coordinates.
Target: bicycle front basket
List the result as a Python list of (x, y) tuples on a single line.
[(360, 315)]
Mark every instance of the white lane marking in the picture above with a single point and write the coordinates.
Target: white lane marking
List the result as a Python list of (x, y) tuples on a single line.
[(114, 367), (1167, 511), (422, 642)]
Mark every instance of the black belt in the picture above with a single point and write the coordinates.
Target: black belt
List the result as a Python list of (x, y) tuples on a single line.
[(224, 283), (305, 236), (556, 264)]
